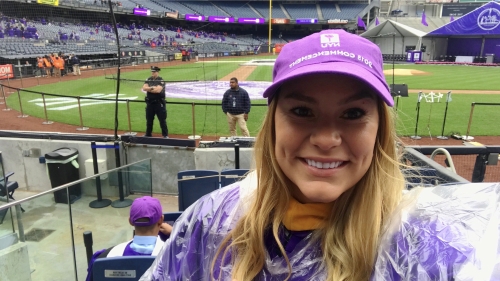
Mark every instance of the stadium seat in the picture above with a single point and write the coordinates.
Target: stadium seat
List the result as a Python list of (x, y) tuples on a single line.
[(7, 188), (170, 218), (128, 268), (228, 177), (193, 184)]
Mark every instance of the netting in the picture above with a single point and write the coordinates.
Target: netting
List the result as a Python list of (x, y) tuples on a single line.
[(70, 64)]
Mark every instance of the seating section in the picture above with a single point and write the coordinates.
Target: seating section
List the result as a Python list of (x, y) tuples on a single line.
[(301, 10), (237, 9), (395, 57), (351, 11), (205, 8), (329, 11), (87, 39), (153, 6), (263, 9), (175, 6), (44, 36)]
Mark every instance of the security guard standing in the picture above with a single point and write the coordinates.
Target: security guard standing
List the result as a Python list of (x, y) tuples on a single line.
[(155, 102)]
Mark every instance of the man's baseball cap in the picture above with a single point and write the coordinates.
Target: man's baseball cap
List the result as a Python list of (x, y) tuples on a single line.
[(331, 51), (155, 68), (146, 208)]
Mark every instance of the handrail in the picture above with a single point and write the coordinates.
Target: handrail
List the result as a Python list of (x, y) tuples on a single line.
[(120, 100), (448, 157), (416, 156), (17, 202)]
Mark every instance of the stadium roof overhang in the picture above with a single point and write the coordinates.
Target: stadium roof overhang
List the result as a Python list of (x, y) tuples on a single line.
[(388, 27)]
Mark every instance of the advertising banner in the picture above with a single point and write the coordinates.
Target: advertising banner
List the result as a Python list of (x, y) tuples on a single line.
[(178, 56), (173, 15), (251, 20), (6, 71), (454, 10), (441, 1), (220, 19), (194, 17), (48, 2), (337, 21), (280, 21), (142, 12), (306, 21)]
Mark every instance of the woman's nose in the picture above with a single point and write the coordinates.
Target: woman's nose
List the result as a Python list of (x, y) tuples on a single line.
[(326, 137)]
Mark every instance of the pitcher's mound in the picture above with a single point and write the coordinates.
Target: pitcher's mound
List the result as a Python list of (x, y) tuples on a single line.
[(405, 72)]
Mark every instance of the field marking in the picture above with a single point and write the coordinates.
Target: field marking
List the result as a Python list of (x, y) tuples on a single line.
[(70, 103)]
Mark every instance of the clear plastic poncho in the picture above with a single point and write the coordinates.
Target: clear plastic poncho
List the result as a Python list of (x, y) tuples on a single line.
[(441, 233)]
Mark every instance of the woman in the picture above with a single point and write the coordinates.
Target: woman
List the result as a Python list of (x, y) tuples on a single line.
[(327, 181)]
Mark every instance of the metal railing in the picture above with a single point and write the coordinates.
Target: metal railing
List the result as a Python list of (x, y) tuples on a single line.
[(39, 218), (82, 124)]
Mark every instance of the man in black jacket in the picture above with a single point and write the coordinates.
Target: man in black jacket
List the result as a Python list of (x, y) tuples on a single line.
[(155, 102), (236, 105)]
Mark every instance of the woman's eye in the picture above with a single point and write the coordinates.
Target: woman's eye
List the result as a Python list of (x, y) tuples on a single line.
[(354, 113), (301, 111)]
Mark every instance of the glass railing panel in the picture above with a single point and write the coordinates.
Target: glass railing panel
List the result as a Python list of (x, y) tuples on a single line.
[(6, 222), (107, 219), (49, 229), (44, 247)]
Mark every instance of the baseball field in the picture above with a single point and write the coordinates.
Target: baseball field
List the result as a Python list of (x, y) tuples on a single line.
[(195, 90)]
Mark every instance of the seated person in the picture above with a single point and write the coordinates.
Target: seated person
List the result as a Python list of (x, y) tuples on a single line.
[(150, 232)]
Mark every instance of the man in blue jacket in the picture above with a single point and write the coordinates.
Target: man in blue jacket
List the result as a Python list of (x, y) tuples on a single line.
[(236, 105)]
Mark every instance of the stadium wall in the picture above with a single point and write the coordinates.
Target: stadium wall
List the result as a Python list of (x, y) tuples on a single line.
[(166, 162)]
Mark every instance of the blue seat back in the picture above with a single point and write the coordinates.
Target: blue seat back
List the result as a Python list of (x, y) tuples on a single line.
[(228, 177), (128, 268), (193, 184), (170, 218)]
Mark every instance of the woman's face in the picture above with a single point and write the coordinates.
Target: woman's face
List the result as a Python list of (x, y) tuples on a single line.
[(326, 126)]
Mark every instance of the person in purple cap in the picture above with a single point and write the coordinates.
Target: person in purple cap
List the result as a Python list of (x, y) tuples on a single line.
[(146, 217), (325, 199)]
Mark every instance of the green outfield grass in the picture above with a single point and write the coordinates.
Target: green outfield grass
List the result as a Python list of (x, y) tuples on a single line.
[(448, 77), (211, 121)]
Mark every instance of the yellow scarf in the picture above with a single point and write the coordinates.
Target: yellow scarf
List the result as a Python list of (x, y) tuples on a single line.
[(310, 216)]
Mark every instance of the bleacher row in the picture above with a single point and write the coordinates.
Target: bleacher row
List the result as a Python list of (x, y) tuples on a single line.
[(88, 39), (252, 9), (395, 57)]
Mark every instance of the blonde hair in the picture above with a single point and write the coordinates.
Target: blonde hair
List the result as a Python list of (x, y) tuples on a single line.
[(350, 239)]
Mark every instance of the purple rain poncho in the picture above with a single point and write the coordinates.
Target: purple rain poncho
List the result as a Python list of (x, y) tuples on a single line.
[(441, 233)]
